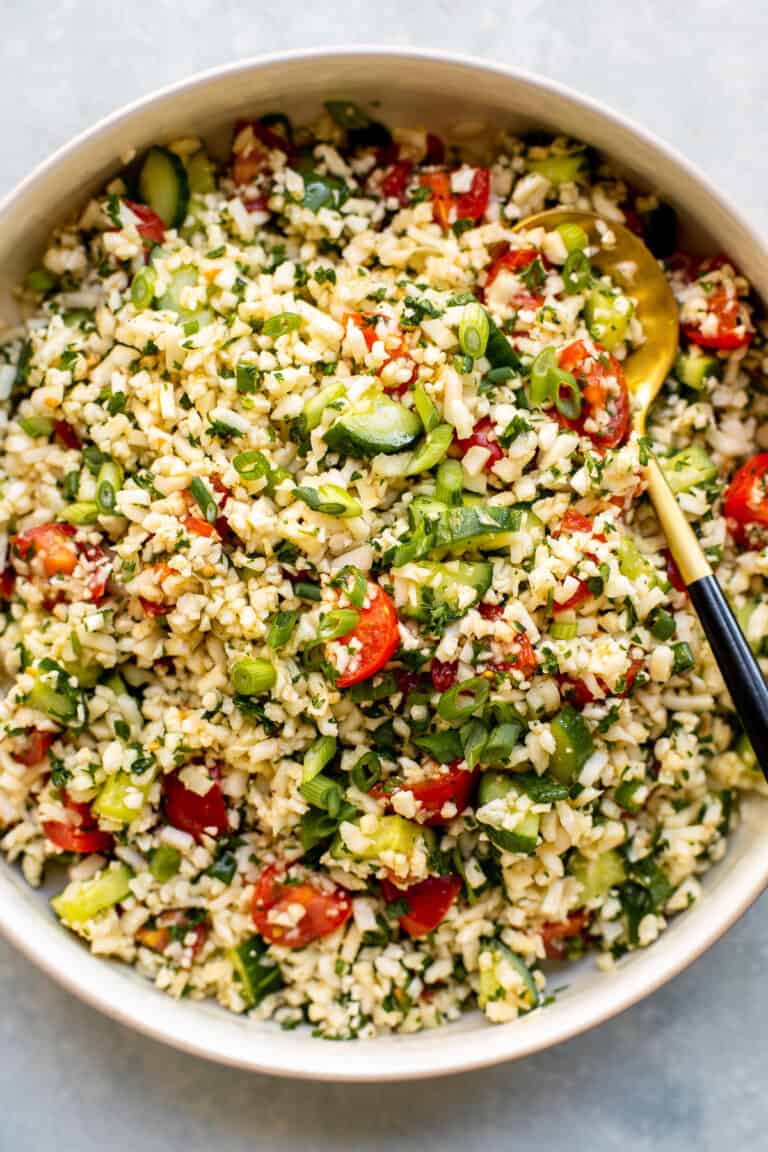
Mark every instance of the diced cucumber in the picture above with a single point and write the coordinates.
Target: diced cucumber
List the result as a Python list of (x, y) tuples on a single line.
[(497, 786), (695, 366), (447, 581), (164, 186), (431, 451), (164, 862), (200, 173), (687, 469), (493, 985), (573, 745), (599, 875), (256, 976), (381, 426), (633, 563), (123, 796), (607, 317), (81, 901), (563, 167), (392, 834), (54, 694)]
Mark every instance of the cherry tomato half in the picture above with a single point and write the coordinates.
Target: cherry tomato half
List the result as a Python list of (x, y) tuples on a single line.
[(192, 813), (428, 902), (53, 544), (730, 329), (446, 205), (604, 390), (376, 637), (274, 900), (515, 260), (448, 784), (472, 205), (746, 502), (81, 834)]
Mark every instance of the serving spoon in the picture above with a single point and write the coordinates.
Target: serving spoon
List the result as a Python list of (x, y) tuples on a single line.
[(630, 264)]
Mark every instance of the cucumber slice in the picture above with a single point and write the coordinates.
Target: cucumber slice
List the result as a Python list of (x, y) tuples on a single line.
[(694, 367), (80, 902), (562, 168), (607, 317), (200, 173), (446, 582), (391, 834), (164, 186), (689, 468), (380, 427), (256, 977), (494, 987), (171, 299), (598, 876), (497, 786)]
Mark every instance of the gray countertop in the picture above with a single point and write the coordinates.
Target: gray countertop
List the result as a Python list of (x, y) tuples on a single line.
[(678, 1072)]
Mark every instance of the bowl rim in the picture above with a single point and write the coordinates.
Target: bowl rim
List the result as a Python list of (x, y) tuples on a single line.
[(129, 999)]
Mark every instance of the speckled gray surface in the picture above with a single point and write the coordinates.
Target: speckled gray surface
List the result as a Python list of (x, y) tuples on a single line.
[(684, 1069)]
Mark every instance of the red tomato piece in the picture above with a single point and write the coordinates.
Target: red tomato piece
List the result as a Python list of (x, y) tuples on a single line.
[(53, 544), (553, 935), (448, 784), (397, 180), (483, 436), (491, 611), (573, 521), (376, 637), (150, 226), (198, 527), (630, 677), (472, 205), (443, 674), (439, 184), (428, 902), (82, 834), (731, 331), (581, 594), (193, 813), (673, 573), (603, 388), (324, 911), (746, 502), (32, 747), (394, 344), (511, 260), (575, 692), (66, 434), (7, 582), (523, 661), (100, 567)]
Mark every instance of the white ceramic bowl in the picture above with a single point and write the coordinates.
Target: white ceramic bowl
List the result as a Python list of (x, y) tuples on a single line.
[(417, 89)]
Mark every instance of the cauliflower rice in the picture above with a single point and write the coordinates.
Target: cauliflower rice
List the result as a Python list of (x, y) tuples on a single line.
[(350, 682)]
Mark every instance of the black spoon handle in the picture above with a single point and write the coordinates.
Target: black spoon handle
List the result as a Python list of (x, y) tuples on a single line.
[(739, 668)]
